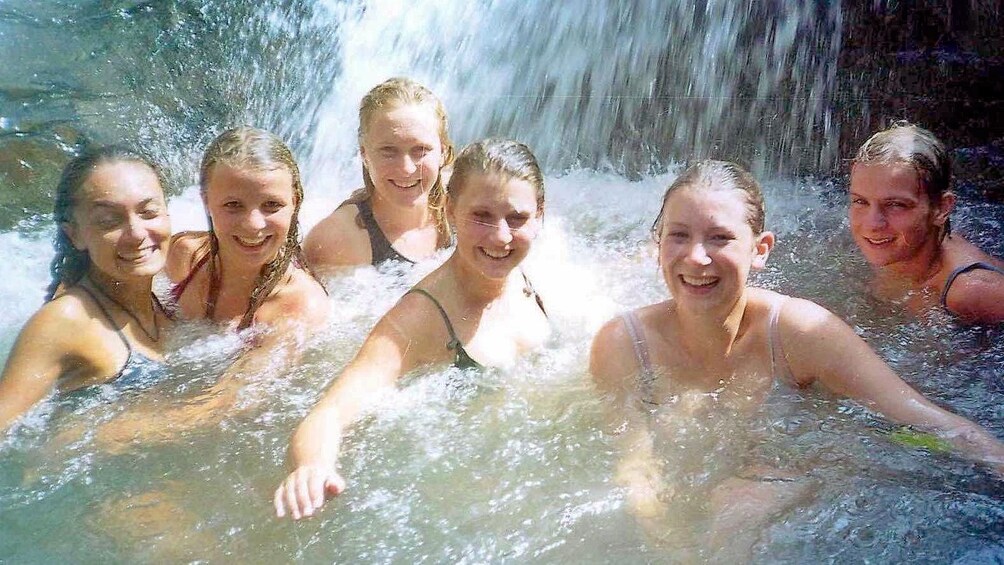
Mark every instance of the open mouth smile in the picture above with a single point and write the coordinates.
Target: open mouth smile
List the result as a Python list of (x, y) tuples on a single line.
[(406, 186), (878, 241), (699, 282), (497, 255), (252, 243)]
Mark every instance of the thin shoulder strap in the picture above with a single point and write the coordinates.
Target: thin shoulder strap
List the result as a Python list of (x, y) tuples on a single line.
[(454, 342), (530, 290), (637, 341), (108, 317), (179, 289), (965, 269), (778, 362), (381, 248)]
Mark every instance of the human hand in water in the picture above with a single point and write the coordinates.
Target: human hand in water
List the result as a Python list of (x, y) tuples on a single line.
[(305, 490)]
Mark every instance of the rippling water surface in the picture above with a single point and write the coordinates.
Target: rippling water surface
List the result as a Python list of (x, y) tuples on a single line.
[(471, 467)]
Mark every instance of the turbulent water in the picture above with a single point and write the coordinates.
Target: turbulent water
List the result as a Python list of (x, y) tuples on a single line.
[(470, 467)]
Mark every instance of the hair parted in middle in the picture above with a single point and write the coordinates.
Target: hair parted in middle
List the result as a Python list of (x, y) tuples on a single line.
[(253, 149)]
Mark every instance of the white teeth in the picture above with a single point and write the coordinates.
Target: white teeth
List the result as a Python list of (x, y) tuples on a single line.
[(497, 254), (878, 241), (400, 185), (251, 242), (142, 254), (698, 281)]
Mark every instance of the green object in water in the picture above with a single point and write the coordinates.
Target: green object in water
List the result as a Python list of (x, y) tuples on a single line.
[(913, 438)]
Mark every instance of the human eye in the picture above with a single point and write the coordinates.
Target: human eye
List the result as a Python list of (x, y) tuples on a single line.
[(150, 212), (232, 205), (107, 220), (897, 205), (273, 205), (387, 152), (517, 221), (858, 201)]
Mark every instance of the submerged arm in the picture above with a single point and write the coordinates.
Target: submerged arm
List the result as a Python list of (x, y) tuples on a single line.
[(831, 352)]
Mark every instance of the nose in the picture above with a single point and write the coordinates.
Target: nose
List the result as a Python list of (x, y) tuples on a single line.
[(136, 229), (698, 254), (874, 217), (502, 232), (408, 164), (255, 220)]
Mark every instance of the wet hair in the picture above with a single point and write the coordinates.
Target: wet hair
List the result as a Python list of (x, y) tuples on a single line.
[(70, 264), (503, 157), (389, 95), (249, 148), (912, 145), (718, 175)]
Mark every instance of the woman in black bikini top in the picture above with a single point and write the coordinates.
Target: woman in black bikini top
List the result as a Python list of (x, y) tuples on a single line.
[(101, 322), (477, 309)]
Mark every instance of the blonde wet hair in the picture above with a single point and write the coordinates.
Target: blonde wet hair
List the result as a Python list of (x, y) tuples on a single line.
[(718, 175), (909, 144), (249, 148), (394, 93), (506, 158)]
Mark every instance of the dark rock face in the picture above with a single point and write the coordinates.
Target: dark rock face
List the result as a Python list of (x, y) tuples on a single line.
[(939, 64)]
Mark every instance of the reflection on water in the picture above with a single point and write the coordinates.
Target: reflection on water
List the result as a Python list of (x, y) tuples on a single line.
[(465, 466)]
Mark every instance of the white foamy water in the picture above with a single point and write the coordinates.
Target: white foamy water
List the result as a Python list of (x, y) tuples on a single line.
[(498, 466)]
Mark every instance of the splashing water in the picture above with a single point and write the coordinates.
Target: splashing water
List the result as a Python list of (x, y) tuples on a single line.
[(468, 467)]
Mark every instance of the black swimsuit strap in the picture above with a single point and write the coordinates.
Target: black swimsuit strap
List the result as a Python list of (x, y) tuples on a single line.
[(454, 341), (380, 247), (530, 290)]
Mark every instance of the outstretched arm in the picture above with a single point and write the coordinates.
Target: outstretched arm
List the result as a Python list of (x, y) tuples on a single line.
[(830, 352), (385, 356)]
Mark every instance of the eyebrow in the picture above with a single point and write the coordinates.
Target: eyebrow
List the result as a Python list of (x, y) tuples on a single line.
[(110, 204)]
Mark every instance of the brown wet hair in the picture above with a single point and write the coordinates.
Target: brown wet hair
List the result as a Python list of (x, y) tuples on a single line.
[(506, 158)]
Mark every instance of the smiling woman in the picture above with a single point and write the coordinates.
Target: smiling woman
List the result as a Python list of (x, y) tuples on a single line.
[(490, 313), (248, 267), (900, 203), (101, 322)]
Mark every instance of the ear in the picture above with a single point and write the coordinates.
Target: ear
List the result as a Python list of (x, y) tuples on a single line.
[(73, 234), (944, 207), (761, 249)]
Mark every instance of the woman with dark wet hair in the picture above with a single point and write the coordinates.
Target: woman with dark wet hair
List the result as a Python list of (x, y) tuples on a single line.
[(101, 322)]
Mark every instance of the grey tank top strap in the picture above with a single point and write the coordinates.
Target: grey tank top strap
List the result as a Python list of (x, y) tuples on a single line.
[(778, 362), (380, 247), (965, 269), (646, 376)]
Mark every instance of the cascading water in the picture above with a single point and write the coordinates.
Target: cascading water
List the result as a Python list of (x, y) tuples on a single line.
[(501, 467)]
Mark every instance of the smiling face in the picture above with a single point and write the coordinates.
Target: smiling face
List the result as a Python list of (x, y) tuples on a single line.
[(121, 220), (252, 211), (496, 220), (402, 153), (892, 219), (707, 247)]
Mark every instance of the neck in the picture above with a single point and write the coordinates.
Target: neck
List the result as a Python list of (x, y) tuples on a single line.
[(133, 294), (474, 286), (915, 271), (712, 333), (395, 218)]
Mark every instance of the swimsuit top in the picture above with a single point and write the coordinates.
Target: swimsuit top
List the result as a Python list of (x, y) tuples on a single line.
[(380, 246), (139, 371), (179, 289), (462, 359), (646, 378), (965, 269)]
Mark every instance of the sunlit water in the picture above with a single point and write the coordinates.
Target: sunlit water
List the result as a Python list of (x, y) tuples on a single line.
[(465, 466)]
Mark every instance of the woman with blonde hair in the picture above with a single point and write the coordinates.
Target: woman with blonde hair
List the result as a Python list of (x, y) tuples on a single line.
[(900, 206), (398, 214)]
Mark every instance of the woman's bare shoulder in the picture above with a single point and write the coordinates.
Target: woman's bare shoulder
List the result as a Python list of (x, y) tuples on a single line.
[(185, 250), (338, 241)]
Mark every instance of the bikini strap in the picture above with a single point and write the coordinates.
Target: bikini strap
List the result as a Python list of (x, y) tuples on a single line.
[(454, 343), (179, 289), (965, 269), (637, 341), (778, 361), (108, 317), (531, 291)]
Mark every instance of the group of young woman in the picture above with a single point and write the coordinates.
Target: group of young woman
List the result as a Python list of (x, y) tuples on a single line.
[(716, 337)]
